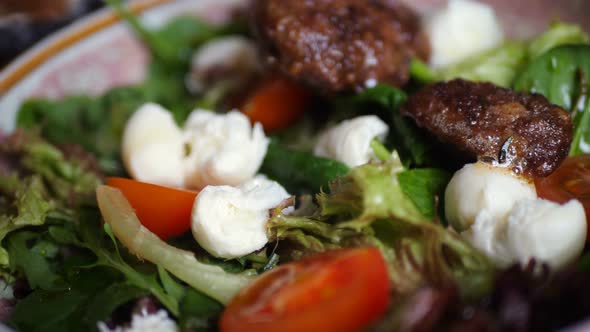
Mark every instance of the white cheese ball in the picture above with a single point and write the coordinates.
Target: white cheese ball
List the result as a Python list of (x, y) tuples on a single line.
[(462, 29), (350, 141), (212, 149), (152, 147), (488, 235), (222, 149), (547, 231), (535, 228), (230, 222), (483, 187)]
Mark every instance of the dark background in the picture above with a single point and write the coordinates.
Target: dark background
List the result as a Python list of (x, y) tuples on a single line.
[(24, 22)]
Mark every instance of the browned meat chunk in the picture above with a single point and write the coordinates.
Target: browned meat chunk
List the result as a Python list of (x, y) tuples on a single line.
[(339, 45), (524, 131)]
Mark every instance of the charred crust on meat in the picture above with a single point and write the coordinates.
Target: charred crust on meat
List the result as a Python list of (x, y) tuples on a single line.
[(519, 130), (339, 45)]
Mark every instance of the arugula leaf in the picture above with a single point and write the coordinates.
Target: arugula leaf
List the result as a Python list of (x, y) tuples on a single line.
[(198, 312), (92, 294), (423, 186), (173, 44), (45, 311), (39, 270), (76, 117), (102, 305), (561, 75), (170, 285), (184, 34), (109, 257)]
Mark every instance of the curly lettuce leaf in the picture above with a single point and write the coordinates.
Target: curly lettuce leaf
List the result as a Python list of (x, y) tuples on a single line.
[(368, 192), (31, 210), (370, 207), (41, 185)]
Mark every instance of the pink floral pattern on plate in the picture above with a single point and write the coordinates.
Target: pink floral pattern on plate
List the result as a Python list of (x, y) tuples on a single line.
[(120, 60)]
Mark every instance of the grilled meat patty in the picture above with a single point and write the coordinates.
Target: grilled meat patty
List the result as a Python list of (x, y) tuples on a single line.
[(339, 45), (523, 131)]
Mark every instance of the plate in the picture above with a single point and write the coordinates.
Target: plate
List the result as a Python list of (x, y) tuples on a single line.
[(99, 52)]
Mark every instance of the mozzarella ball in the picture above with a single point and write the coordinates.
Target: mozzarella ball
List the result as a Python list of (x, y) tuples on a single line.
[(487, 234), (222, 149), (462, 29), (152, 147), (350, 141), (547, 231), (483, 187), (230, 222)]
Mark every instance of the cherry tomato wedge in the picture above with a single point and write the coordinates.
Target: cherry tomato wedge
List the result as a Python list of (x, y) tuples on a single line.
[(570, 180), (276, 103), (165, 211), (337, 291)]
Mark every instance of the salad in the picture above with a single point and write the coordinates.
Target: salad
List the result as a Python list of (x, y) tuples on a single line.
[(342, 165)]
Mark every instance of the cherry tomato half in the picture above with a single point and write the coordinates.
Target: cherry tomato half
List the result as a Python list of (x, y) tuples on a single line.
[(165, 211), (276, 103), (570, 180), (337, 291)]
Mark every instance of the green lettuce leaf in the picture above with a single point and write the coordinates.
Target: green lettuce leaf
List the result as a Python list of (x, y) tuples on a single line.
[(502, 64), (558, 34), (562, 75), (498, 65), (424, 186)]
